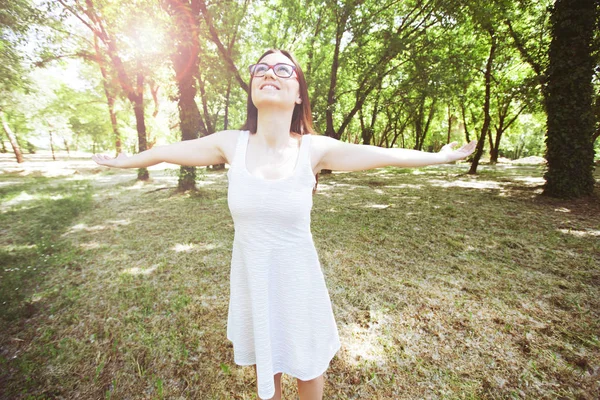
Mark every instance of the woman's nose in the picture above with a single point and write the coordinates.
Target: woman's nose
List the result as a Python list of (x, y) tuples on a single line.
[(270, 72)]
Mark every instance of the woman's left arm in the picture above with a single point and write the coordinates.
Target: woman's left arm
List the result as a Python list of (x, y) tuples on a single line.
[(341, 156)]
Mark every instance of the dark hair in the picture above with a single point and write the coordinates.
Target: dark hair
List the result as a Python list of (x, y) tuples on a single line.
[(302, 122), (301, 118)]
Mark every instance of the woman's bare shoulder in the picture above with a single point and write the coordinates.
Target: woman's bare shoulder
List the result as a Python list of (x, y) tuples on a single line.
[(318, 147), (227, 141)]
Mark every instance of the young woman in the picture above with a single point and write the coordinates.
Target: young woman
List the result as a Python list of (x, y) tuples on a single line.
[(280, 317)]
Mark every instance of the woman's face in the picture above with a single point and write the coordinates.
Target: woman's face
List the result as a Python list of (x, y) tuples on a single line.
[(271, 90)]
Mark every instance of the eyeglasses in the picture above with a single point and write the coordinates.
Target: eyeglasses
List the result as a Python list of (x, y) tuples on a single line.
[(280, 69)]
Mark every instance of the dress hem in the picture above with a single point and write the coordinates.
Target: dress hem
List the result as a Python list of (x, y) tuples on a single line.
[(310, 377)]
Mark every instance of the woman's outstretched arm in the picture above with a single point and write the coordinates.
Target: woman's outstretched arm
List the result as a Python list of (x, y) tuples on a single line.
[(341, 156), (208, 150)]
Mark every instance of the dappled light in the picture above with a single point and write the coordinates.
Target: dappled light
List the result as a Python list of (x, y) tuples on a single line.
[(580, 233), (17, 247), (140, 271), (90, 245), (186, 248), (404, 186), (562, 210), (472, 184), (23, 197), (111, 224), (530, 180), (84, 227), (379, 206), (183, 248), (363, 343)]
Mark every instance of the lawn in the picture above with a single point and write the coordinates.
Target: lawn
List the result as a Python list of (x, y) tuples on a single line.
[(444, 285)]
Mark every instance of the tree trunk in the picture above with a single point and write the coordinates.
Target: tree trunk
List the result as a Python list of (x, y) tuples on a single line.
[(110, 98), (140, 123), (464, 115), (67, 147), (450, 119), (11, 138), (486, 105), (190, 120), (419, 126), (185, 63), (3, 149), (226, 116), (495, 150), (501, 128), (570, 150), (422, 123), (52, 145)]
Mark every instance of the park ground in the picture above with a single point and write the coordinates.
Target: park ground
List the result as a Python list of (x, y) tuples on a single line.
[(443, 285)]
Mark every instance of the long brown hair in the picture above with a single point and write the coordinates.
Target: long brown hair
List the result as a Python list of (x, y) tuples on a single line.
[(302, 121)]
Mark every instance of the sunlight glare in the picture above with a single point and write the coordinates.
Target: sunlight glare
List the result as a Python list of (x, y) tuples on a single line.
[(147, 37)]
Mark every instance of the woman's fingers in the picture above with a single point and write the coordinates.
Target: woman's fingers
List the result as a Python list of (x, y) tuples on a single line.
[(102, 159)]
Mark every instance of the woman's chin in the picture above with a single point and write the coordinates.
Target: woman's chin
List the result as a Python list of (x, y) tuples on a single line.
[(274, 102)]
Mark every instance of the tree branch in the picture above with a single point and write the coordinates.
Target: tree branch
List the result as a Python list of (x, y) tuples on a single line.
[(222, 50)]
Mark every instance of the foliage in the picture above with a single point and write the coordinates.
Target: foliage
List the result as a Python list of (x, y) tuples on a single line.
[(15, 18), (388, 73)]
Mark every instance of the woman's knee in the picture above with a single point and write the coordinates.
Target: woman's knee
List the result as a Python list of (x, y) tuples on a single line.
[(311, 389)]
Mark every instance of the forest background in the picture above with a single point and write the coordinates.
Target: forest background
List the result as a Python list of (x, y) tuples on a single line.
[(124, 76)]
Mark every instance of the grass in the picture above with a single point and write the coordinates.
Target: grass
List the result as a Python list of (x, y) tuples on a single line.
[(444, 286)]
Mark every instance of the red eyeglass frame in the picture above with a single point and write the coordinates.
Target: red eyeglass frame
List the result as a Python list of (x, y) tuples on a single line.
[(272, 67)]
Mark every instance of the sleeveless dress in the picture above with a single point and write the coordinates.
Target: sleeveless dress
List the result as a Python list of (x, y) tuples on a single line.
[(280, 316)]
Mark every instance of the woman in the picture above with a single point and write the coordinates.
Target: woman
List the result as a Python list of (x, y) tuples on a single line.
[(280, 317)]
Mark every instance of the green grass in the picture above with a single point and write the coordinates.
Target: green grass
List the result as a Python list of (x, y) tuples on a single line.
[(443, 285)]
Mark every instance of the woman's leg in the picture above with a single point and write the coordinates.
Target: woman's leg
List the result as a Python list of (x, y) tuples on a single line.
[(277, 385), (311, 390)]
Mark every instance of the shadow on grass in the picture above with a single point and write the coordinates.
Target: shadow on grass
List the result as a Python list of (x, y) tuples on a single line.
[(439, 291), (34, 214)]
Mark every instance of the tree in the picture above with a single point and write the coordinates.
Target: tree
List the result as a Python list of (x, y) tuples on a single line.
[(16, 18), (570, 151), (486, 104), (132, 76), (185, 34)]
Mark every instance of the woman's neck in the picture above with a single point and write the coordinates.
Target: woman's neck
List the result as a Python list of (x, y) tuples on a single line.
[(274, 127)]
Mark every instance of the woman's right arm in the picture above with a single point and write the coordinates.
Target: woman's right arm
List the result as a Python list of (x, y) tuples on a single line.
[(207, 150)]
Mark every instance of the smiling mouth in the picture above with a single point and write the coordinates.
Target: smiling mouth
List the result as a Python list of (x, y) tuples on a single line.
[(268, 86)]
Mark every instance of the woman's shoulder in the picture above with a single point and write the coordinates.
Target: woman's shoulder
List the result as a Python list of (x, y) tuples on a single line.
[(227, 136), (227, 141), (318, 147), (321, 142)]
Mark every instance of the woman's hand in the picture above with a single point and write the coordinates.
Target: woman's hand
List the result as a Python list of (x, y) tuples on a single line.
[(455, 155), (116, 162)]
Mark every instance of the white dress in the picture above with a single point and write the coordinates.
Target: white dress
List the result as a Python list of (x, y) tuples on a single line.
[(280, 315)]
